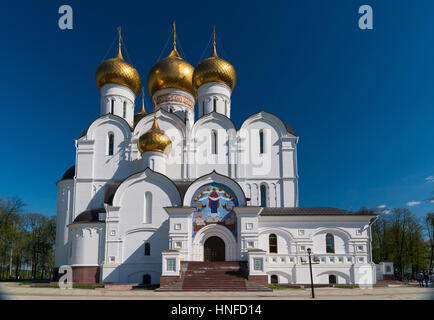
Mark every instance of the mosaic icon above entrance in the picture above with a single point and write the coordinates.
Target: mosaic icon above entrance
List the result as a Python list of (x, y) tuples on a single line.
[(214, 204)]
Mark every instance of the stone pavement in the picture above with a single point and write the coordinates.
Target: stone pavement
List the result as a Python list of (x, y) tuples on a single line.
[(15, 291)]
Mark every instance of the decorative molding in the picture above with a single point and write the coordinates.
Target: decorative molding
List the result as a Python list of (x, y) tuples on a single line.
[(172, 97)]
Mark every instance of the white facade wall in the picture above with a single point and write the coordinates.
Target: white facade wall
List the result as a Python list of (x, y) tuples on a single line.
[(65, 197), (350, 262), (128, 228), (86, 243)]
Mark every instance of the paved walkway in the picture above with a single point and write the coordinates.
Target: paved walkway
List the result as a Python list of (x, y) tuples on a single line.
[(15, 291)]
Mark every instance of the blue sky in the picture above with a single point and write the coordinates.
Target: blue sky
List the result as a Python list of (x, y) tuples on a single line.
[(360, 100)]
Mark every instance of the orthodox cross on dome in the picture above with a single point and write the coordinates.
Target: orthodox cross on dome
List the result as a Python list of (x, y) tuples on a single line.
[(143, 110), (120, 43), (214, 52), (174, 52), (155, 124)]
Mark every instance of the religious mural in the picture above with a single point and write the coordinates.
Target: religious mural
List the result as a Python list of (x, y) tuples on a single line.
[(214, 204)]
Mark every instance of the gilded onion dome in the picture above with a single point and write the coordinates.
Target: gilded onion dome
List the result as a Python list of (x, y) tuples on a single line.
[(214, 69), (154, 139), (142, 113), (171, 72), (118, 71)]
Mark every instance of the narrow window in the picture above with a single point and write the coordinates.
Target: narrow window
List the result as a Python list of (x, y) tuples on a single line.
[(203, 107), (112, 106), (171, 110), (125, 110), (171, 265), (263, 195), (332, 279), (111, 140), (226, 109), (214, 104), (261, 141), (272, 243), (274, 279), (214, 142), (147, 249), (148, 208), (330, 243)]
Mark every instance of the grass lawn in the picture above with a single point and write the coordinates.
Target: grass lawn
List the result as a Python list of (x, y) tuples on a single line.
[(277, 287), (76, 286)]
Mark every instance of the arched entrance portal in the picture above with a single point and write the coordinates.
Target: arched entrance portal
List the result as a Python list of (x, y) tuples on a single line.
[(214, 249)]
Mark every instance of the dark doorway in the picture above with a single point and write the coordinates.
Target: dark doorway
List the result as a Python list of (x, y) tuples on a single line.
[(214, 249), (332, 279), (146, 279), (274, 279)]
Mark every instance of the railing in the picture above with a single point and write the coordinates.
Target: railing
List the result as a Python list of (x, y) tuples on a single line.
[(280, 259)]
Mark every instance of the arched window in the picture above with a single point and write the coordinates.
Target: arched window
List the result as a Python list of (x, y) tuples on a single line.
[(148, 208), (111, 141), (124, 114), (214, 142), (146, 279), (112, 106), (274, 279), (263, 195), (272, 243), (261, 141), (147, 249), (332, 279), (171, 110), (330, 243), (214, 107)]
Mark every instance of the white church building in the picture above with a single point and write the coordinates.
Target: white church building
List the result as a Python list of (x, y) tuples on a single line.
[(154, 194)]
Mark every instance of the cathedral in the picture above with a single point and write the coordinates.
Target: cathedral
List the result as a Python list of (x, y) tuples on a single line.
[(157, 193)]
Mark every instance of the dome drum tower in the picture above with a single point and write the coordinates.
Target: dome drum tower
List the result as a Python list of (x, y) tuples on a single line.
[(154, 146)]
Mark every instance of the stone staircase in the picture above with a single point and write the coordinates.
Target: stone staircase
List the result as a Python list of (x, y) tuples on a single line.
[(213, 276)]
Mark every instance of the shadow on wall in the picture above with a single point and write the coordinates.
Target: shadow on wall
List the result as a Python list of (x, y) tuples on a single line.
[(137, 265), (124, 168)]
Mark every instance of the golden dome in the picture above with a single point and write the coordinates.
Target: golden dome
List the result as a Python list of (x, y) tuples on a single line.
[(118, 71), (154, 139), (214, 69), (171, 72)]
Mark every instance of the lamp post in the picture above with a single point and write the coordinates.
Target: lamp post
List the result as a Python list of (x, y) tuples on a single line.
[(311, 277)]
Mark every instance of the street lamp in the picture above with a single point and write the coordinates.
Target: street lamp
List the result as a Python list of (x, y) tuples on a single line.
[(311, 277)]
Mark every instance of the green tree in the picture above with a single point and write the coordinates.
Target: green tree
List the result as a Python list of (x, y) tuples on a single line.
[(429, 228)]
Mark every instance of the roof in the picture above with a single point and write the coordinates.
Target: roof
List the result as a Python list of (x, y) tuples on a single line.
[(309, 211), (182, 187), (69, 174), (290, 129), (89, 216), (110, 192)]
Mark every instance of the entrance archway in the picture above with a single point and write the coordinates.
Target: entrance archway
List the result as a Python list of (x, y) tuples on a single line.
[(214, 249)]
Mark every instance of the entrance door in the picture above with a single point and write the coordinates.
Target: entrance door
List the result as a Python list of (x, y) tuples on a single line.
[(214, 249)]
